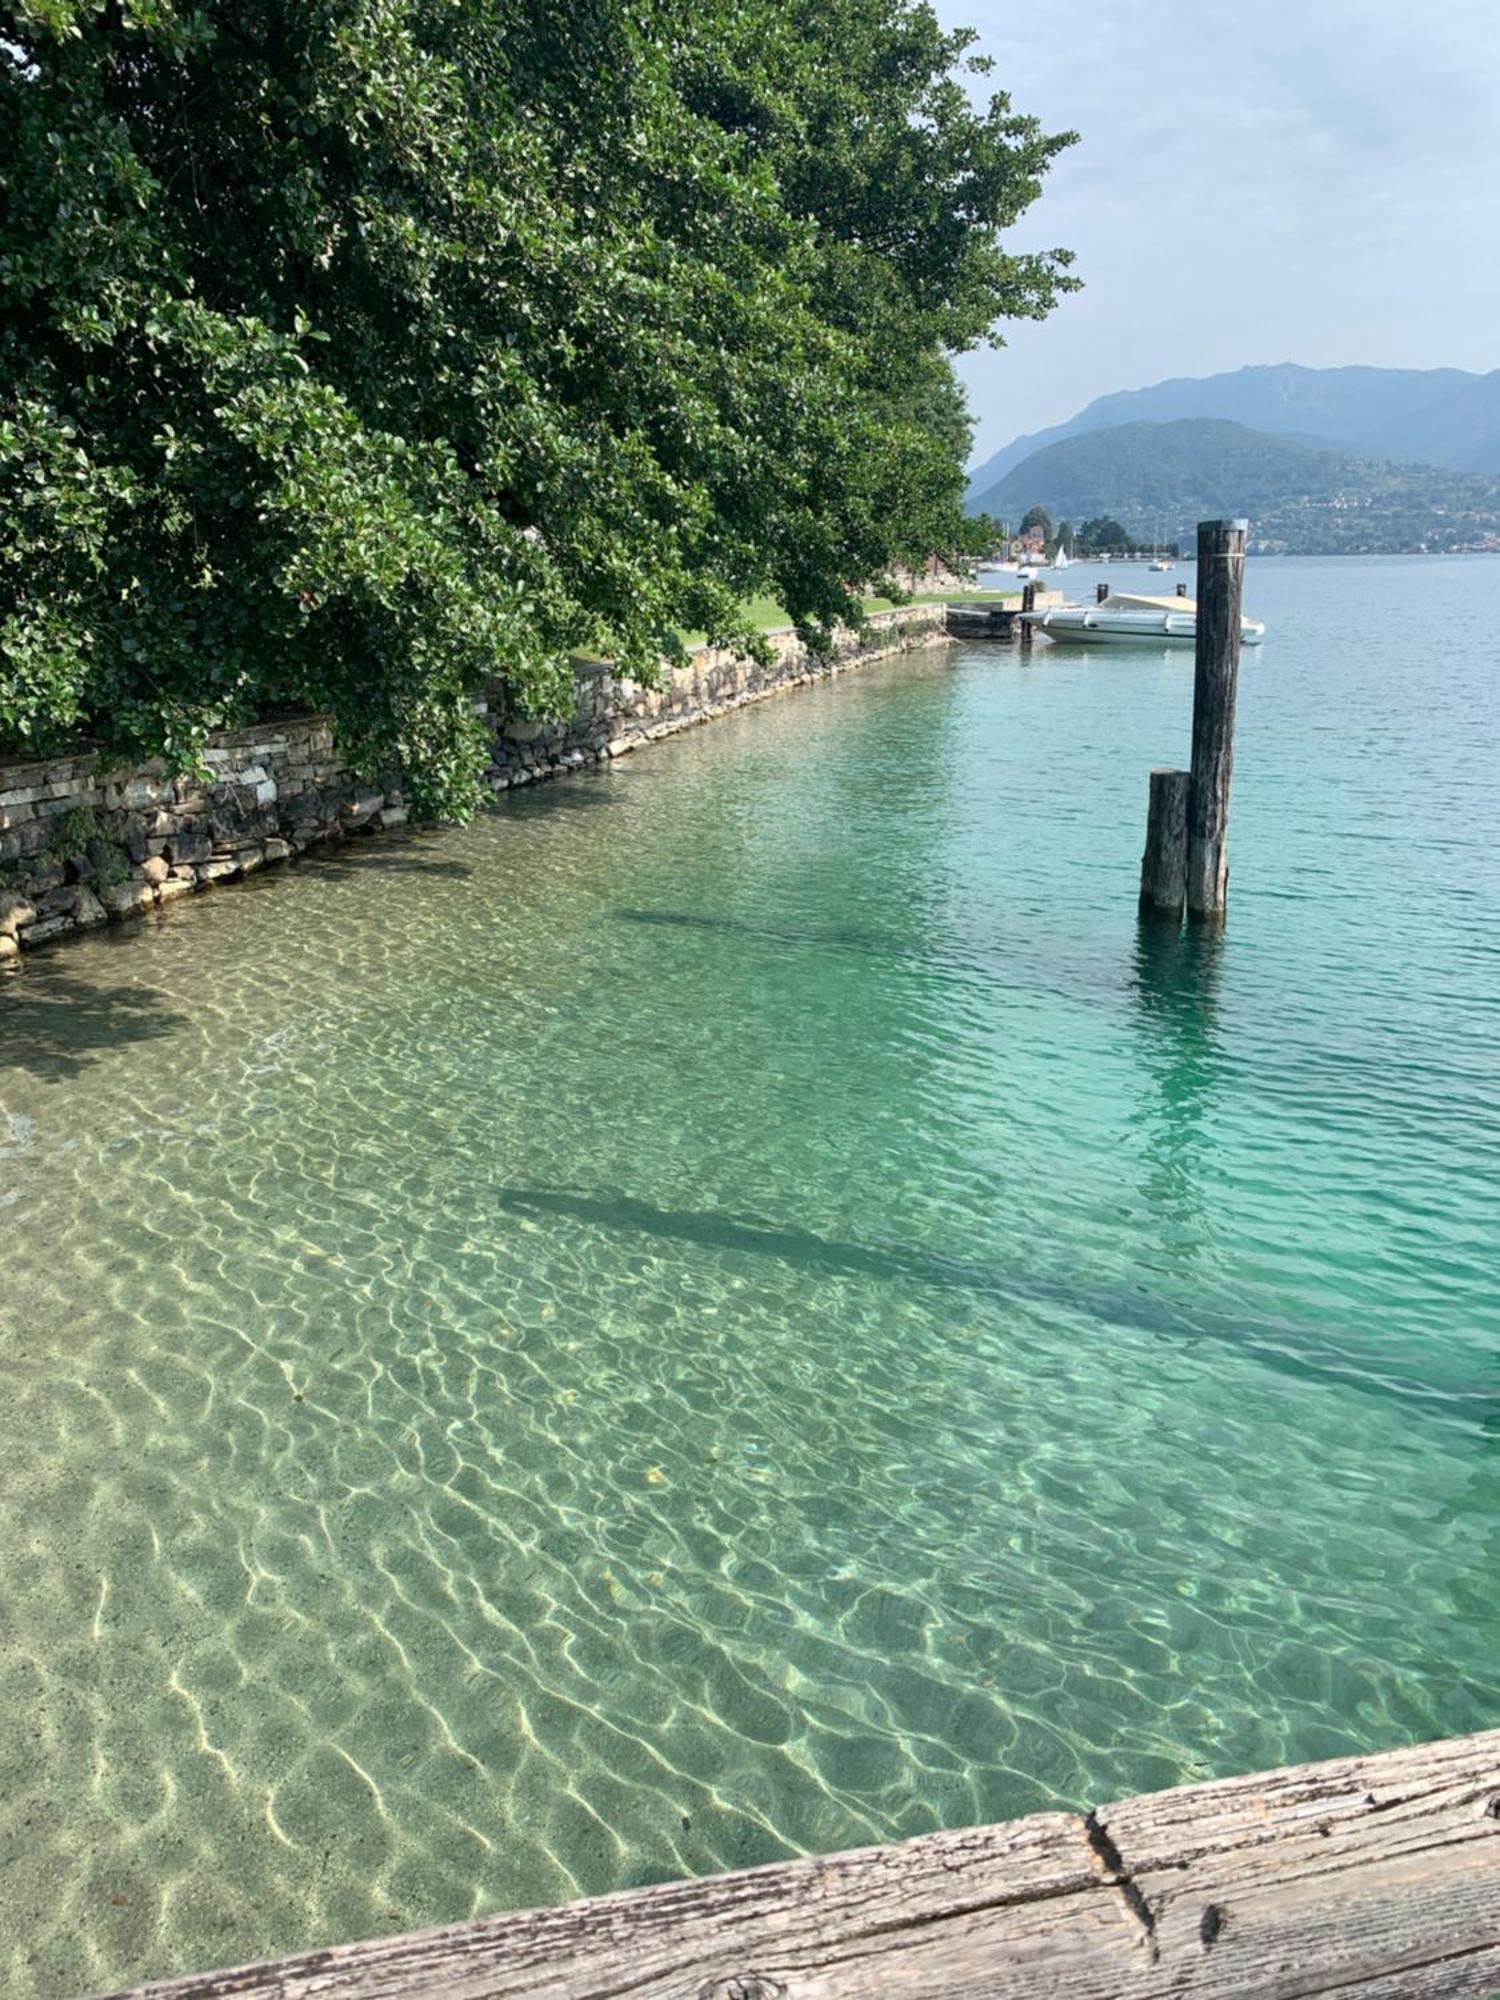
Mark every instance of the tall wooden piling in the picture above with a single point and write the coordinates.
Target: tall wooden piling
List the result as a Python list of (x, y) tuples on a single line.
[(1164, 863), (1028, 603), (1221, 578)]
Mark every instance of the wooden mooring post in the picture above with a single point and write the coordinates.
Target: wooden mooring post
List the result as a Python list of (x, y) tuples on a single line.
[(1216, 673), (1164, 863), (1186, 862), (1028, 603)]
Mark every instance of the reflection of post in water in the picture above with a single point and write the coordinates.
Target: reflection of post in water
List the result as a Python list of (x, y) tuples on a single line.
[(1176, 990), (1470, 1520)]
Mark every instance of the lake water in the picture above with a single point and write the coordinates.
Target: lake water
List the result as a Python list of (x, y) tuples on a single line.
[(742, 1306)]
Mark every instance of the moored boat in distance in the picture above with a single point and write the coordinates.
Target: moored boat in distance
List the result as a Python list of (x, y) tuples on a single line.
[(1122, 618), (1159, 562)]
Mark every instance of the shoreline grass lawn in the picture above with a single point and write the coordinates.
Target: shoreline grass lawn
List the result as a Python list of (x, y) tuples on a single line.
[(766, 615)]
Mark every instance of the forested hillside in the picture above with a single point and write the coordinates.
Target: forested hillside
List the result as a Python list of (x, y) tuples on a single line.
[(1159, 479), (1438, 416), (1461, 431)]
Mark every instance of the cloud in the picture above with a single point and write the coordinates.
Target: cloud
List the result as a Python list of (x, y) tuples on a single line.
[(1314, 180)]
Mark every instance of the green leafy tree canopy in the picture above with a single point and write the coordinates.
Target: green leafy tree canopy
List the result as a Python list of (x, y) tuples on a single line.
[(1103, 535), (365, 353)]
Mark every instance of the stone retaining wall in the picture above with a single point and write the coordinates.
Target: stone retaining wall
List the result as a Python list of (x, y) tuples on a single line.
[(80, 846)]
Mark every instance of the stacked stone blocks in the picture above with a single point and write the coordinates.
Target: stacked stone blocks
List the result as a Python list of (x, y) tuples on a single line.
[(80, 847)]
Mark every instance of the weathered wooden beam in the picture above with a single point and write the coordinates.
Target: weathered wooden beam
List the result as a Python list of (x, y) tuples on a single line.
[(1372, 1878), (1221, 580), (1164, 863)]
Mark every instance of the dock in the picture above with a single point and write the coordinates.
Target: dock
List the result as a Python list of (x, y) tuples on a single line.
[(1000, 622), (1370, 1878)]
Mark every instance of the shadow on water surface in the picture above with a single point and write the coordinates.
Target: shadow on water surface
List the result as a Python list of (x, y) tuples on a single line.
[(1019, 963), (54, 1025), (344, 860), (1282, 1346), (826, 940), (587, 792), (1002, 963)]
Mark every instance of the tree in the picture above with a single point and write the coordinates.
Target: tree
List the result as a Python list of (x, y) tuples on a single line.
[(1037, 517), (357, 353), (983, 535), (1103, 536), (1066, 539)]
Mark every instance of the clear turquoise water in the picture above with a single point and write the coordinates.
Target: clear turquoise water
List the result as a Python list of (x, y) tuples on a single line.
[(741, 1306)]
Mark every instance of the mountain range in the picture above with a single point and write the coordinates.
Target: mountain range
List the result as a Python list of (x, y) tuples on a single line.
[(1320, 458), (1432, 416), (1300, 497)]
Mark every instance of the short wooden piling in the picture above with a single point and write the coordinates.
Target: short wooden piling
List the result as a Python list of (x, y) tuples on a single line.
[(1101, 591), (1221, 578), (1182, 590), (1164, 863)]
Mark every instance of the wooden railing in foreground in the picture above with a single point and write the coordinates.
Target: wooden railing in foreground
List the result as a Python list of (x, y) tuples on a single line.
[(1376, 1877)]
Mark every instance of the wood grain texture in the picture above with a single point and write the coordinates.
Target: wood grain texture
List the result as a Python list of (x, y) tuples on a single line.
[(1164, 862), (1372, 1878), (1216, 672)]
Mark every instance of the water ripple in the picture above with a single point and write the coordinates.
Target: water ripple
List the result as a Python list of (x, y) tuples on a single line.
[(759, 1316)]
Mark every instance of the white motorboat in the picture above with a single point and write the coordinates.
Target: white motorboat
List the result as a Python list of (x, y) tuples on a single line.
[(1124, 619), (1160, 562), (1027, 573)]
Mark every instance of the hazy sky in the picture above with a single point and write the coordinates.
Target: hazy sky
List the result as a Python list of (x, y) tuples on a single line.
[(1299, 180)]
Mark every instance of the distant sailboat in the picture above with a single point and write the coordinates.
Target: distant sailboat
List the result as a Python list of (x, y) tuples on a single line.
[(1062, 559)]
